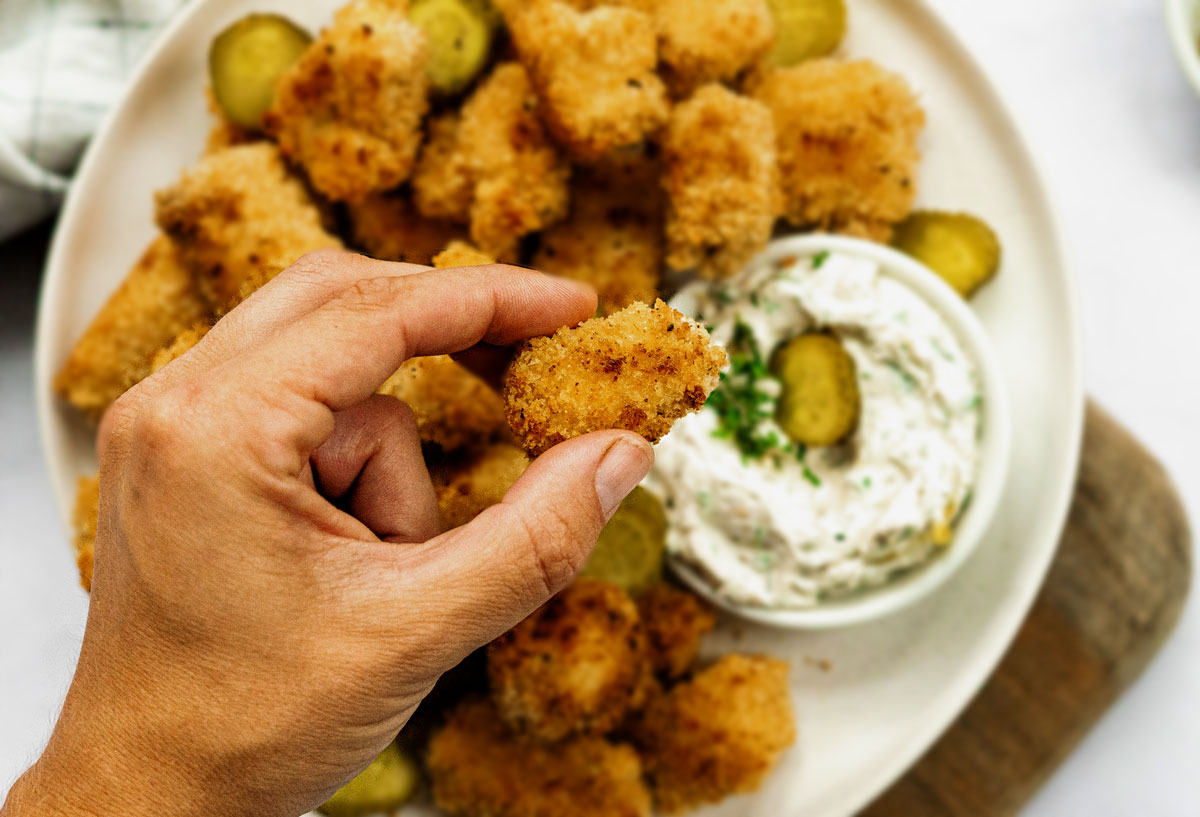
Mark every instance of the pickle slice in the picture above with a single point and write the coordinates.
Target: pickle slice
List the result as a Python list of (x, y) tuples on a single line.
[(630, 550), (959, 247), (820, 401), (460, 39), (806, 29), (246, 60), (386, 784)]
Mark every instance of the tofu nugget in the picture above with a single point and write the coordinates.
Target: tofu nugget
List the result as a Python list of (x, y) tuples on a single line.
[(712, 41), (240, 217), (184, 342), (574, 667), (515, 179), (442, 183), (157, 300), (349, 111), (480, 484), (388, 227), (612, 238), (718, 734), (594, 73), (480, 769), (721, 180), (675, 621), (639, 369), (84, 519), (454, 408), (847, 138)]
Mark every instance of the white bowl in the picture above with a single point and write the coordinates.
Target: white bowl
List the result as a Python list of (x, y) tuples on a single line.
[(912, 585), (1183, 26)]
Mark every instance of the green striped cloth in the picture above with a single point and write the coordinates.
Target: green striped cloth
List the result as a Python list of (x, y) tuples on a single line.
[(63, 63)]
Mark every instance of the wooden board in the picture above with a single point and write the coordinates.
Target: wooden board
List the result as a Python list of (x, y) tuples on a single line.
[(1114, 592)]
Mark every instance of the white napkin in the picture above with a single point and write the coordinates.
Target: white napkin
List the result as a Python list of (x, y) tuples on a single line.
[(63, 63)]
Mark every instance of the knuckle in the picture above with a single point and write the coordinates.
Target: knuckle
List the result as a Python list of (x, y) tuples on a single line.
[(373, 293), (554, 540)]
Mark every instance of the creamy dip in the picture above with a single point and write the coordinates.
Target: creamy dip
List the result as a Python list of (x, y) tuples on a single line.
[(786, 528)]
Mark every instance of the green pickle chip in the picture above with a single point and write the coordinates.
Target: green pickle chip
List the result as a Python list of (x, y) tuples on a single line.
[(959, 247), (630, 550), (460, 41), (246, 60), (386, 784), (806, 29)]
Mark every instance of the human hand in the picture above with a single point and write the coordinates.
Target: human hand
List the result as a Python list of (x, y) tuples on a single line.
[(271, 599)]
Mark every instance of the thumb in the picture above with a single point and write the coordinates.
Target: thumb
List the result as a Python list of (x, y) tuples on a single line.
[(511, 558)]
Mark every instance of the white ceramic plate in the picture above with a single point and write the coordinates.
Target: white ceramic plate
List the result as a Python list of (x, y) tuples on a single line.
[(889, 688), (1183, 26)]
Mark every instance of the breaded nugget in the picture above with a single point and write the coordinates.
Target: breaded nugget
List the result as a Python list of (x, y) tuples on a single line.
[(84, 519), (453, 408), (712, 41), (847, 136), (461, 254), (718, 734), (388, 227), (517, 179), (594, 72), (240, 217), (183, 343), (612, 238), (674, 621), (349, 111), (721, 180), (480, 769), (157, 300), (442, 185), (639, 369), (574, 667), (480, 484)]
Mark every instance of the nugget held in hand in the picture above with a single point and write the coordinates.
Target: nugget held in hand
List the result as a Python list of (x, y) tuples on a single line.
[(640, 369)]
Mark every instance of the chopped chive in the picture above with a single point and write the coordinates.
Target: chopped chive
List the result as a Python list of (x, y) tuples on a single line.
[(819, 259)]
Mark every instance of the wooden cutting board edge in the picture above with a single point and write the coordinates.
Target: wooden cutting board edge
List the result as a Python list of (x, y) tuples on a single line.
[(1113, 594)]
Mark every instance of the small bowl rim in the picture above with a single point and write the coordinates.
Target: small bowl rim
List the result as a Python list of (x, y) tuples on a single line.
[(992, 471), (1183, 28)]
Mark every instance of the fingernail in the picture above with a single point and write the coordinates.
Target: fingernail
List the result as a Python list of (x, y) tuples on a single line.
[(625, 464)]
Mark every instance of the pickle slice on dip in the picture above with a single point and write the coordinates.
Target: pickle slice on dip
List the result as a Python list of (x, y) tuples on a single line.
[(820, 401), (246, 60)]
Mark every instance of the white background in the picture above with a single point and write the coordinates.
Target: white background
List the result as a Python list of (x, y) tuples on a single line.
[(1117, 131)]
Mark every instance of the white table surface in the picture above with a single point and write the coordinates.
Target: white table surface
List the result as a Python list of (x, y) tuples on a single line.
[(1117, 131)]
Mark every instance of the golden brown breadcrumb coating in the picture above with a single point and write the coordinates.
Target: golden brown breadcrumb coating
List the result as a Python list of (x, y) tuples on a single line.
[(722, 182), (479, 484), (594, 73), (847, 136), (480, 769), (84, 519), (442, 185), (639, 369), (571, 668), (516, 178), (183, 343), (612, 238), (718, 734), (712, 41), (388, 227), (675, 621), (157, 300), (240, 217), (349, 111), (461, 254), (453, 407)]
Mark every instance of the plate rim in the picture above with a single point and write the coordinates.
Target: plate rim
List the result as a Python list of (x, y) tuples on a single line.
[(954, 698)]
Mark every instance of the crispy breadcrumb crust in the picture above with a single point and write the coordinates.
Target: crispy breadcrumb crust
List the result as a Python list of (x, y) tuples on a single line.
[(388, 227), (157, 300), (480, 769), (240, 217), (595, 74), (718, 734), (573, 667), (612, 238), (461, 254), (847, 136), (712, 41), (441, 182), (639, 369), (721, 180), (479, 484), (84, 520), (349, 111), (675, 621), (184, 342), (454, 408)]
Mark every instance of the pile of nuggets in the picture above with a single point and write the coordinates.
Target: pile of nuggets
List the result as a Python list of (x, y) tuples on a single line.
[(622, 143)]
